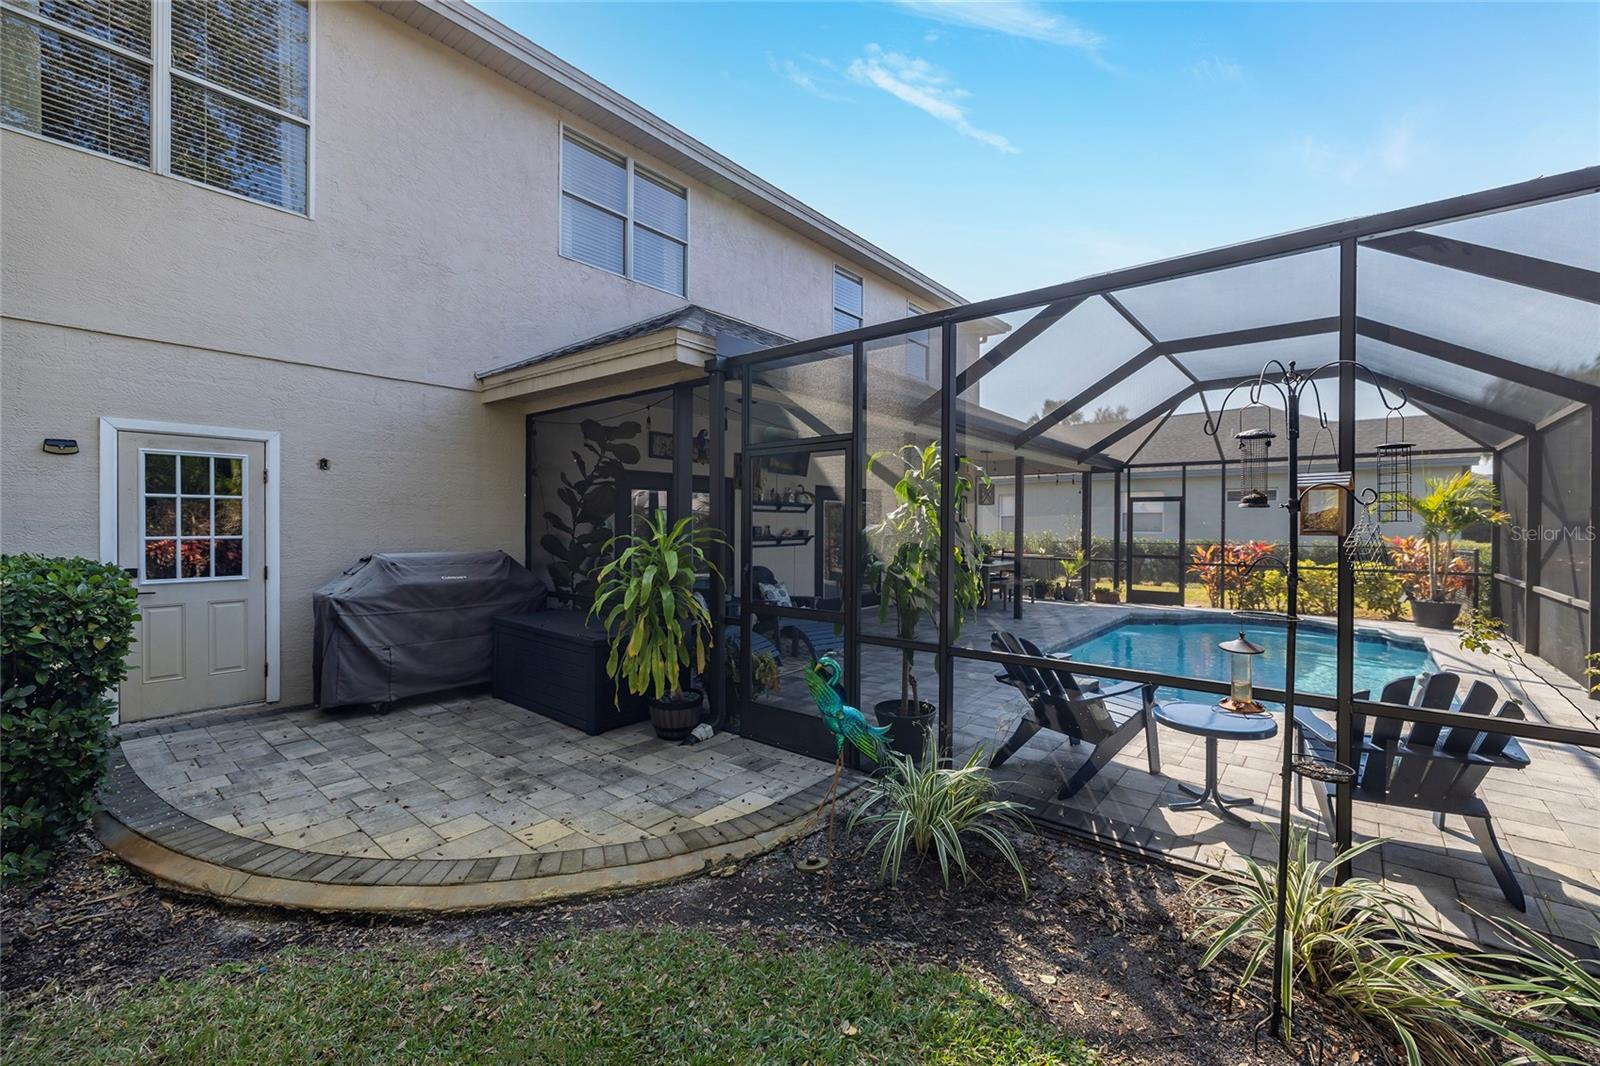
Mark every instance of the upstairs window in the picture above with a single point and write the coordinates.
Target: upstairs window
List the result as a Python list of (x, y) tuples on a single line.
[(227, 104), (847, 300), (622, 218), (79, 73), (919, 363)]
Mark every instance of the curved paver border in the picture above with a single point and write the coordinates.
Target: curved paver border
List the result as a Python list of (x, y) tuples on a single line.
[(173, 846)]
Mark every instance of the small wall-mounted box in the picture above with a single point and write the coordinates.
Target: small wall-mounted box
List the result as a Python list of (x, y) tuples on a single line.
[(60, 446)]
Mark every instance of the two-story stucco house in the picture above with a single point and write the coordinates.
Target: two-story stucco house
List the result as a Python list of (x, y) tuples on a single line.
[(285, 281)]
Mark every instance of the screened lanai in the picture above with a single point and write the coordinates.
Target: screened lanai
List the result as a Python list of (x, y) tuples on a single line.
[(1090, 533)]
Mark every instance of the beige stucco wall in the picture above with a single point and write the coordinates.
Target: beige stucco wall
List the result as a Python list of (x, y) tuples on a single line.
[(432, 253)]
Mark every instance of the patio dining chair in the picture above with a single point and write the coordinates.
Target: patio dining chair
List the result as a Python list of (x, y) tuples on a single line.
[(1083, 712), (1433, 768)]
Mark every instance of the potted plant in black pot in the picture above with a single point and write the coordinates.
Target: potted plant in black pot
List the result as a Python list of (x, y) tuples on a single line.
[(1450, 506), (1071, 566), (660, 626), (904, 572)]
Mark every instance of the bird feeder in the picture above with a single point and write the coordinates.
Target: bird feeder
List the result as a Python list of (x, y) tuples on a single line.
[(1255, 444), (1241, 666), (1394, 471)]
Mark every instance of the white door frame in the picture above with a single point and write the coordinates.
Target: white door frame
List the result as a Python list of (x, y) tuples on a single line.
[(110, 427)]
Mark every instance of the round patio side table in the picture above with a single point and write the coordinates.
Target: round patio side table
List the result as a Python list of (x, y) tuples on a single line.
[(1214, 724)]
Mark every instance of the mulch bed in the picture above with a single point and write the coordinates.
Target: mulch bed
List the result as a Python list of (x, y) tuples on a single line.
[(1097, 946)]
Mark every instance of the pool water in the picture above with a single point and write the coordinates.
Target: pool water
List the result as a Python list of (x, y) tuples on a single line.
[(1189, 647)]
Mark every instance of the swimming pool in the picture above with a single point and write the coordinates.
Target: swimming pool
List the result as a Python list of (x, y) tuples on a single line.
[(1188, 646)]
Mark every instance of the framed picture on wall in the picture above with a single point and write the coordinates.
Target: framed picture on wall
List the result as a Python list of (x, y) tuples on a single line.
[(660, 445), (830, 545)]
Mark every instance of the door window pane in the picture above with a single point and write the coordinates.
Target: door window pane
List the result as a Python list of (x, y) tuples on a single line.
[(160, 560), (229, 557), (160, 473), (229, 518), (196, 475), (160, 517), (196, 556), (190, 531), (196, 518)]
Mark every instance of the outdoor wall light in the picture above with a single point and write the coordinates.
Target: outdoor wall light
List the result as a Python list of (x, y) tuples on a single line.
[(1241, 667), (60, 446), (1255, 444)]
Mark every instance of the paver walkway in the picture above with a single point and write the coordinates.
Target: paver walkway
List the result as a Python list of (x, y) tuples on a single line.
[(469, 790)]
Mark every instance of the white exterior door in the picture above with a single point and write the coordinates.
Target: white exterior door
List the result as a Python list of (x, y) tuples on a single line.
[(190, 528)]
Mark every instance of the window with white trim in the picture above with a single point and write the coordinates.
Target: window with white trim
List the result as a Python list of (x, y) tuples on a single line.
[(1008, 510), (919, 362), (848, 300), (226, 104), (1149, 516), (622, 218)]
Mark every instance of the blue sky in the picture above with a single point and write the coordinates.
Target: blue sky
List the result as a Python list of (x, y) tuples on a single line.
[(1005, 146)]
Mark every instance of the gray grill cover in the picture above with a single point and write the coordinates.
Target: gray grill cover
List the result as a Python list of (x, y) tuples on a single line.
[(405, 623)]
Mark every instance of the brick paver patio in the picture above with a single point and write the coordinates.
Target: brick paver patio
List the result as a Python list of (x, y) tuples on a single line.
[(463, 790)]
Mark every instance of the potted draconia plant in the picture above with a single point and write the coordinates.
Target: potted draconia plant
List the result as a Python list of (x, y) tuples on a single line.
[(903, 569), (1449, 507), (660, 626)]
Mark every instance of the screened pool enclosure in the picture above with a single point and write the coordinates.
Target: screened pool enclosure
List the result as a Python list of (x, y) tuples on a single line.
[(1074, 562)]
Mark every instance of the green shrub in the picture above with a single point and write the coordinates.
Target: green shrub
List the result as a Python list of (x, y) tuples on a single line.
[(922, 806), (1380, 590), (65, 628)]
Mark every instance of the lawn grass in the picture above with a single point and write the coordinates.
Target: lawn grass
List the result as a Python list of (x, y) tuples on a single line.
[(600, 998)]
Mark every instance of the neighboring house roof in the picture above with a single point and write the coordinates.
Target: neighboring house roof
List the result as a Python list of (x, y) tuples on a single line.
[(484, 40), (742, 335), (1183, 437)]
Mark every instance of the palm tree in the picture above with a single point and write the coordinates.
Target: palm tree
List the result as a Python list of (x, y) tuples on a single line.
[(1450, 506)]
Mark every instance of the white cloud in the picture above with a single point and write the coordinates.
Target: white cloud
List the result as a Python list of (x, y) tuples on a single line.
[(922, 85), (1395, 151), (797, 75), (1214, 70), (1015, 18)]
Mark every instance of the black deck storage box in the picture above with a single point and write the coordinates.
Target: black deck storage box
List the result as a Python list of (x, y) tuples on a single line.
[(405, 623), (554, 662)]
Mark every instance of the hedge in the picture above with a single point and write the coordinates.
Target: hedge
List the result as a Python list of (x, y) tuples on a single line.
[(65, 629)]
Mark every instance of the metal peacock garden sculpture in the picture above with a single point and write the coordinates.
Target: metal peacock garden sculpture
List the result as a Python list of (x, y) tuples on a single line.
[(847, 724)]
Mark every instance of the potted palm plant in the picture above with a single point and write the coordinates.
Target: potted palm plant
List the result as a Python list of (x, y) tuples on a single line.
[(1449, 507), (904, 571), (660, 626), (1071, 566)]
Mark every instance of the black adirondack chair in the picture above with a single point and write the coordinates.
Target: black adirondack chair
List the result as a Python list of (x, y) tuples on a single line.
[(1434, 768), (1084, 712)]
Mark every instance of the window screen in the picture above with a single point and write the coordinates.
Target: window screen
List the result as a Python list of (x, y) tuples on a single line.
[(847, 301)]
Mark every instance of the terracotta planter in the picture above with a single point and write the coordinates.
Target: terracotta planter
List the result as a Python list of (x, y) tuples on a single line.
[(675, 717), (908, 733), (1435, 614)]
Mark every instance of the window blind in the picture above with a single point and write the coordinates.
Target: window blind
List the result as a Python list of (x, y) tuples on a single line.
[(257, 48), (219, 141), (260, 50), (603, 198), (847, 301), (660, 232), (81, 72), (60, 85)]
